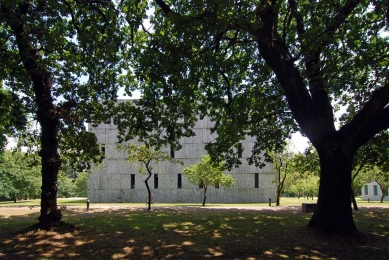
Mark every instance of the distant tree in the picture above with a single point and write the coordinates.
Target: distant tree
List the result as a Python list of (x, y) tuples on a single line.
[(304, 176), (204, 173), (282, 166), (80, 184), (303, 184), (147, 157), (19, 176)]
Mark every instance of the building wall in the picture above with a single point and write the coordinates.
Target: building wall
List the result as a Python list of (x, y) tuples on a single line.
[(112, 182), (372, 191)]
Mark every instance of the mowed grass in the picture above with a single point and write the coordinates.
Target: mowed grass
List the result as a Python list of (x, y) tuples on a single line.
[(191, 232)]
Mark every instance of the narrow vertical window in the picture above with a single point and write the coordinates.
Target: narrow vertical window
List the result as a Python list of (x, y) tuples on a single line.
[(155, 181), (256, 180), (375, 190), (172, 152), (102, 147), (179, 181), (132, 181), (366, 190), (240, 150)]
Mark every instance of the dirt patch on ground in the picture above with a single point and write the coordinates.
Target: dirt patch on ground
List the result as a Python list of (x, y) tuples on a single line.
[(22, 210)]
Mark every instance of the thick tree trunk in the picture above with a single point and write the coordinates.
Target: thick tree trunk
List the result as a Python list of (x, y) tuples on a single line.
[(333, 212), (46, 113), (50, 213)]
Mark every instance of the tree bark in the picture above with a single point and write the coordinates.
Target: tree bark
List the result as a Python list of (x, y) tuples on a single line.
[(383, 191), (205, 194), (46, 113), (333, 212), (148, 188), (50, 213), (355, 205)]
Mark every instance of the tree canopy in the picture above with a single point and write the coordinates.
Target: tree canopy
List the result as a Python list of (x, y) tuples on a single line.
[(266, 69), (205, 174), (148, 157), (61, 59), (19, 176), (13, 115)]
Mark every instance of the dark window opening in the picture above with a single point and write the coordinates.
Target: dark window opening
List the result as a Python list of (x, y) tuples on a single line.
[(172, 152), (102, 147), (132, 181), (179, 181), (155, 181), (375, 190), (256, 180), (366, 190)]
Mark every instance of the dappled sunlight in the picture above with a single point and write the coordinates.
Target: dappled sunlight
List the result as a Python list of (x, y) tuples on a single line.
[(188, 243), (147, 251), (195, 233), (214, 252)]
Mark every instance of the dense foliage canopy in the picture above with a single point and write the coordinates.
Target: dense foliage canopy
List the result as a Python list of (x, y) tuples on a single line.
[(266, 69), (61, 59)]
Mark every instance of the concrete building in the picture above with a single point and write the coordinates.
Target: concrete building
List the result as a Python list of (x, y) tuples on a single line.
[(372, 191), (118, 181)]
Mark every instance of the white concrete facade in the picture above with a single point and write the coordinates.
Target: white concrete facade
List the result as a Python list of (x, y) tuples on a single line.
[(372, 191), (118, 180)]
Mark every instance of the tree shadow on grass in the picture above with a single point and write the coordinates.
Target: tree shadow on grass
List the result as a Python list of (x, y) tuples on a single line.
[(197, 233)]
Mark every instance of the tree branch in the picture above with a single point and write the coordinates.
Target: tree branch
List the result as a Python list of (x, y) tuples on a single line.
[(370, 127), (165, 8)]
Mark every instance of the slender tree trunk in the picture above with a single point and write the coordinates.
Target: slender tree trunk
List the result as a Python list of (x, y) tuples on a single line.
[(205, 194), (278, 196), (280, 187), (148, 188), (382, 193), (333, 212)]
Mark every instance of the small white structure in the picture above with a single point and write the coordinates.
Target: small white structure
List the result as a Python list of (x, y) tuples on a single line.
[(118, 180), (372, 191)]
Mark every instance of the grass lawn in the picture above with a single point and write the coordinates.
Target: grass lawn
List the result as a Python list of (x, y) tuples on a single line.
[(243, 231)]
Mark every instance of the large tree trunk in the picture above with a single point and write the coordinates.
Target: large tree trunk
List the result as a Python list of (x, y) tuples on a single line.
[(333, 212), (46, 113), (50, 213)]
